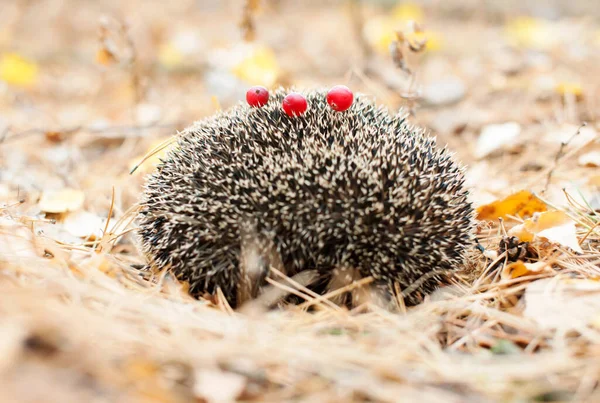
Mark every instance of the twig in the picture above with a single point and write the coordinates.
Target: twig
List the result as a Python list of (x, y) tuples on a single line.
[(153, 152), (559, 155), (301, 287), (588, 233), (247, 24), (349, 287)]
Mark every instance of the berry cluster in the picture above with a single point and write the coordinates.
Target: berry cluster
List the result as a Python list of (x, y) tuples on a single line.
[(339, 98)]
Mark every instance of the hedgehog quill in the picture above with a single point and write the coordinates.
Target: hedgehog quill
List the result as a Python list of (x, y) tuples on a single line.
[(331, 193)]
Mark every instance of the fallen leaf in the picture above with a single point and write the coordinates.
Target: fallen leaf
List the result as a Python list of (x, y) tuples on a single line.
[(181, 49), (433, 40), (148, 114), (84, 224), (591, 159), (533, 33), (564, 133), (521, 204), (522, 233), (16, 70), (61, 201), (105, 57), (554, 226), (380, 31), (495, 137), (404, 12), (565, 235), (444, 91), (594, 180), (570, 88), (259, 67), (54, 136), (169, 56), (563, 303), (141, 368), (520, 269), (218, 386)]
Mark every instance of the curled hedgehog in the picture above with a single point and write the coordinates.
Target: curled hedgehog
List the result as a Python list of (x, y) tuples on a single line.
[(327, 196)]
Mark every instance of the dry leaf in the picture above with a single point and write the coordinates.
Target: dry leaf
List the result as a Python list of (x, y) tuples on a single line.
[(218, 386), (380, 31), (105, 57), (148, 114), (61, 201), (520, 269), (529, 32), (407, 11), (564, 133), (54, 136), (170, 56), (594, 180), (569, 88), (554, 226), (16, 70), (259, 67), (591, 159), (565, 235), (84, 224), (496, 137), (520, 204), (180, 49), (563, 303)]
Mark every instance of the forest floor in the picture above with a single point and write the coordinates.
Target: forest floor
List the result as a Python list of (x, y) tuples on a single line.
[(88, 88)]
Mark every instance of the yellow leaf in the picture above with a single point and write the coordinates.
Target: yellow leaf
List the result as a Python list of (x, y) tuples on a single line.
[(528, 32), (380, 32), (140, 368), (521, 204), (594, 180), (408, 12), (566, 88), (260, 67), (169, 56), (520, 269), (433, 41), (105, 57), (554, 226), (61, 201), (17, 70), (522, 233), (547, 220)]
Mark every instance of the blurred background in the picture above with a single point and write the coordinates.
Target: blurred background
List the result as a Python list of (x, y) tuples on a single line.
[(87, 88)]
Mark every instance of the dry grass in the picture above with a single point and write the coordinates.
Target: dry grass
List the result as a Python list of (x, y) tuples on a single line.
[(78, 323)]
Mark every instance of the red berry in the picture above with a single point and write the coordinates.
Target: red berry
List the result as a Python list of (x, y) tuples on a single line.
[(340, 98), (294, 104), (257, 96)]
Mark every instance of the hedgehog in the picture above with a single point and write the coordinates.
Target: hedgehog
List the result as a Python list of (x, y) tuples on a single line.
[(330, 197)]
